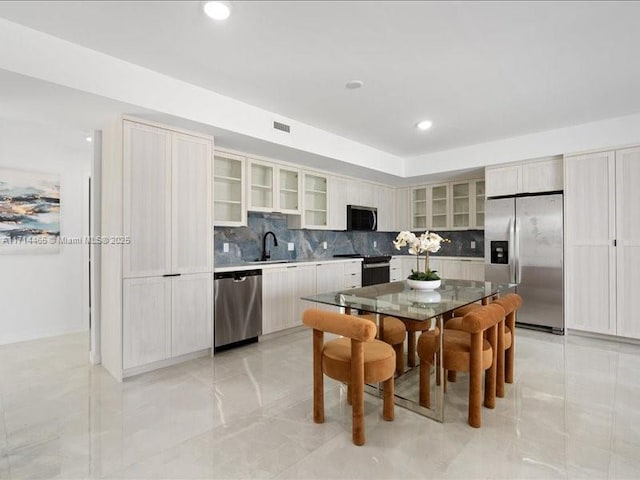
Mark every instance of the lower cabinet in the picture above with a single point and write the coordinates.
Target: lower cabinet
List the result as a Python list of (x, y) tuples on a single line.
[(282, 288), (165, 317), (447, 268), (281, 292)]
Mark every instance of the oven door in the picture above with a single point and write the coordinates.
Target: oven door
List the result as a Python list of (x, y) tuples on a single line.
[(375, 273)]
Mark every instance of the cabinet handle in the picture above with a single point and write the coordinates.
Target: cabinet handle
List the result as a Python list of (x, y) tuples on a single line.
[(171, 274)]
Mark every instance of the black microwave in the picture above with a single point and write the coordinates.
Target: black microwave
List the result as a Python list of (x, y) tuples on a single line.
[(362, 218)]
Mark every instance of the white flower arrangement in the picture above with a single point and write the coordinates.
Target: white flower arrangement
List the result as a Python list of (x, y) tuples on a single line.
[(428, 242)]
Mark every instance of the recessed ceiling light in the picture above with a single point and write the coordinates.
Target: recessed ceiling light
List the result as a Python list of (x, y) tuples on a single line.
[(88, 139), (353, 84), (425, 125), (217, 10)]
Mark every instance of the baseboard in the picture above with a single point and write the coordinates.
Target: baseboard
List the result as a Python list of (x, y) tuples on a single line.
[(604, 336), (169, 362)]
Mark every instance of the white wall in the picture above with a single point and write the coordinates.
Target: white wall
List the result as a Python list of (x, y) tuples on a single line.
[(46, 294)]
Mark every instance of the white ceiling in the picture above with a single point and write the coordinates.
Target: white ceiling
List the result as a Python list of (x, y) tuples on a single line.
[(480, 71)]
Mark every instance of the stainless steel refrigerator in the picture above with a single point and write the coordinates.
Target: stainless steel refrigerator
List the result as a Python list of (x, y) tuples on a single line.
[(524, 245)]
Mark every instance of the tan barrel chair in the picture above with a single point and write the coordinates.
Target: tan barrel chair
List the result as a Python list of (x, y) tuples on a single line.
[(355, 360), (466, 350), (506, 338), (506, 362), (394, 333)]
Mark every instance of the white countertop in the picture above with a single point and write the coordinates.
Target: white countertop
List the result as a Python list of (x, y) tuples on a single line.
[(263, 266), (239, 267)]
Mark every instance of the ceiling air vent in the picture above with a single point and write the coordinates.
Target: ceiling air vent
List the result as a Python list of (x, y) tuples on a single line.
[(282, 127)]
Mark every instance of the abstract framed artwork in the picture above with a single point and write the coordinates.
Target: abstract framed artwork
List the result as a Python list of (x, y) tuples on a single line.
[(29, 211)]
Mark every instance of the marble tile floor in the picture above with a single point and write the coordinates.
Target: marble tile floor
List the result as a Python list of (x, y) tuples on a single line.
[(573, 412)]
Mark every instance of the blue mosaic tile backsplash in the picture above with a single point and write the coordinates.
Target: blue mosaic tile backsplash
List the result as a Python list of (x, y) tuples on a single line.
[(245, 243)]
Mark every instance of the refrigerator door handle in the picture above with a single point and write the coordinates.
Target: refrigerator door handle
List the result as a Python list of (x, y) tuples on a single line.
[(512, 253), (516, 246)]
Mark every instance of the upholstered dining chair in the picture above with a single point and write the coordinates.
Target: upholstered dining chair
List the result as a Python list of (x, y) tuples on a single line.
[(507, 341), (394, 333), (506, 338), (356, 359), (465, 350)]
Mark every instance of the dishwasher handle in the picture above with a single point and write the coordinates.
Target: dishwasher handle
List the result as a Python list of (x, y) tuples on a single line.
[(239, 279)]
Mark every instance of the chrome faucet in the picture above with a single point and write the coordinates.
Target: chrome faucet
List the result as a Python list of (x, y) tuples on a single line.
[(266, 254)]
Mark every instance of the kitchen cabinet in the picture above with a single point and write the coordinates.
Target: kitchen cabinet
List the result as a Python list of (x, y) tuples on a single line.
[(315, 213), (385, 203), (289, 181), (403, 209), (447, 268), (229, 206), (274, 188), (395, 269), (602, 248), (262, 186), (352, 275), (439, 206), (329, 278), (448, 206), (157, 290), (467, 205), (281, 291), (527, 177), (338, 188)]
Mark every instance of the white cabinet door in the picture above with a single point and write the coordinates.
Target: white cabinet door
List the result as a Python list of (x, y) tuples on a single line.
[(191, 313), (316, 201), (395, 269), (589, 251), (337, 203), (628, 242), (419, 208), (462, 201), (475, 271), (439, 207), (228, 190), (329, 278), (289, 186), (403, 209), (192, 218), (454, 270), (277, 289), (304, 283), (146, 329), (503, 180), (386, 204), (147, 200), (352, 275), (543, 176), (262, 186)]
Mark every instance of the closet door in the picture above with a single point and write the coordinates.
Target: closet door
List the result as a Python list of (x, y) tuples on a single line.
[(192, 216), (147, 200), (628, 241), (590, 287)]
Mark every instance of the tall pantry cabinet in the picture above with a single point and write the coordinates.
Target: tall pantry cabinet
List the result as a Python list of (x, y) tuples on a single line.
[(157, 284), (602, 242)]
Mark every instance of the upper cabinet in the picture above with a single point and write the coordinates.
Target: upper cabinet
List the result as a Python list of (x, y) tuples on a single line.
[(315, 207), (273, 188), (262, 186), (528, 177), (447, 206), (439, 206), (229, 207), (289, 190)]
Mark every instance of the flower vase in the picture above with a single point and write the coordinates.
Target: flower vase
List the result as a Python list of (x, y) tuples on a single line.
[(424, 284)]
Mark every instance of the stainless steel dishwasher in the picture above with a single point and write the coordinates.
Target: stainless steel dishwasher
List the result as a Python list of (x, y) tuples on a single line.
[(238, 308)]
